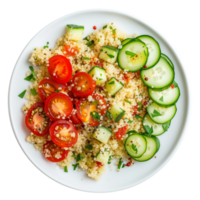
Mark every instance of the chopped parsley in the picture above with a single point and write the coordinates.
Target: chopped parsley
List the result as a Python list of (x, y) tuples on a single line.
[(139, 103), (95, 102), (149, 130), (138, 117), (80, 157), (111, 27), (57, 90), (89, 147), (140, 94), (155, 113), (32, 76), (130, 53), (34, 49), (166, 126), (123, 165), (139, 108), (85, 58), (134, 148), (101, 49), (130, 121), (46, 46), (65, 169), (127, 101), (109, 159), (98, 40), (95, 115), (75, 166), (74, 156), (161, 99), (108, 114), (111, 56), (105, 26), (120, 163), (100, 79), (21, 95), (85, 38), (114, 31), (33, 91), (112, 82), (90, 43)]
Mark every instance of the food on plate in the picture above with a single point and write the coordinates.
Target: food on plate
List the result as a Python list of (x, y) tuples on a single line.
[(100, 98)]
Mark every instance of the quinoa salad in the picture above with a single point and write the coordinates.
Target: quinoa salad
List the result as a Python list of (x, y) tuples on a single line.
[(99, 99)]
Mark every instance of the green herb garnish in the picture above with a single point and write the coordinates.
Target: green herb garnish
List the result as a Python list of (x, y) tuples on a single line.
[(65, 169), (75, 166), (161, 99), (95, 115), (139, 103), (138, 117), (74, 156), (57, 90), (114, 31), (30, 78), (85, 38), (21, 95), (111, 56), (140, 94), (130, 53), (155, 113), (90, 43), (46, 46), (85, 58), (175, 84), (95, 102), (105, 26), (120, 163), (34, 49), (139, 108), (33, 91), (166, 126), (109, 159), (112, 82), (89, 147), (80, 157), (149, 130), (130, 121), (127, 101), (32, 70), (101, 49), (108, 114), (98, 40), (134, 148), (100, 79), (110, 27), (123, 165)]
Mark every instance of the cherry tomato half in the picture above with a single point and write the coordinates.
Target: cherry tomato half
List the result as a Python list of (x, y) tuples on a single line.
[(53, 152), (85, 107), (58, 106), (75, 119), (70, 51), (60, 68), (37, 121), (121, 132), (83, 84), (63, 133), (48, 86)]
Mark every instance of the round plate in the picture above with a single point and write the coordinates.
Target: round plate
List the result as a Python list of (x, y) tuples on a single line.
[(111, 180)]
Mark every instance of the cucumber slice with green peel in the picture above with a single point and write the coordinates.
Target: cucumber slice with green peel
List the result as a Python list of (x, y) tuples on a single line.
[(74, 32), (152, 148), (102, 157), (99, 73), (102, 134), (113, 86), (160, 114), (166, 97), (116, 112), (158, 77), (158, 129), (135, 145), (133, 55), (126, 41), (153, 49), (168, 60), (109, 54)]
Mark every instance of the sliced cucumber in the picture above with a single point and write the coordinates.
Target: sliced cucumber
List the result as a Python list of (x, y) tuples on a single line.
[(160, 114), (116, 112), (153, 49), (99, 73), (126, 41), (113, 86), (133, 55), (158, 129), (168, 60), (74, 32), (152, 148), (165, 97), (109, 54), (135, 145), (102, 134), (158, 77), (102, 157)]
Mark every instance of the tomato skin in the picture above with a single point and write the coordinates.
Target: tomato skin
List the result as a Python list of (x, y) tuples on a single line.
[(83, 84), (121, 132), (44, 92), (69, 129), (50, 106), (128, 164), (30, 125), (60, 68), (70, 51), (75, 119), (52, 149), (99, 164)]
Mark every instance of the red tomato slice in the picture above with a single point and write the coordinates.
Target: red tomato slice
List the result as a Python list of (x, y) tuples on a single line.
[(58, 106), (53, 152), (63, 133), (37, 121), (99, 164), (85, 107), (75, 119), (83, 84), (48, 86), (70, 51), (121, 132), (60, 68)]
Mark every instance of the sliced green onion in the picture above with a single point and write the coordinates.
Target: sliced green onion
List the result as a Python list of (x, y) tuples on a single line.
[(65, 169), (127, 101), (21, 95), (33, 91)]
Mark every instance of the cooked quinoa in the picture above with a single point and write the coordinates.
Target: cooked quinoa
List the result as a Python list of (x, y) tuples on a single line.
[(134, 91)]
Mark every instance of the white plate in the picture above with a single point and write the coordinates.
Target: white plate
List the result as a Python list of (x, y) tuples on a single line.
[(111, 180)]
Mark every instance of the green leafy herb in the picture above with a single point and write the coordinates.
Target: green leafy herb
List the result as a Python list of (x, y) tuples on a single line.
[(34, 49), (161, 99), (89, 147), (105, 26), (86, 50), (127, 101), (120, 163), (139, 103), (101, 49), (130, 121), (75, 165), (74, 156), (47, 43), (46, 46), (65, 169), (140, 94), (130, 53), (123, 165), (108, 114), (134, 148), (155, 113), (33, 91), (166, 126), (138, 117), (175, 84), (100, 79), (109, 126), (95, 102), (32, 70), (85, 58), (111, 56), (149, 130), (109, 159), (80, 157), (112, 82), (98, 40), (114, 31), (30, 78), (95, 115), (90, 43), (35, 58), (57, 90), (85, 38), (139, 108), (21, 95), (111, 27)]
